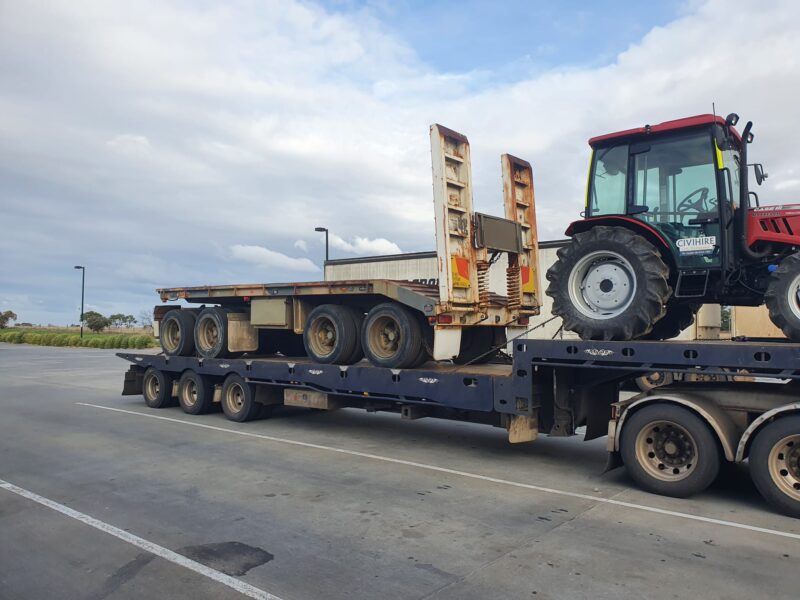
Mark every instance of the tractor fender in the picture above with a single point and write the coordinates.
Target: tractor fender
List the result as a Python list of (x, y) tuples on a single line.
[(651, 234), (716, 417), (744, 443)]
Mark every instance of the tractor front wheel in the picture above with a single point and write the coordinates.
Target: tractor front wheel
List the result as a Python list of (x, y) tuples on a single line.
[(609, 284), (783, 297)]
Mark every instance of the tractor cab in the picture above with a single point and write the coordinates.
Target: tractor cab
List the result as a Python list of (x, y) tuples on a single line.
[(679, 179)]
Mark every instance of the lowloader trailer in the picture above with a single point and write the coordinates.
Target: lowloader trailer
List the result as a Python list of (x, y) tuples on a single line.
[(672, 439)]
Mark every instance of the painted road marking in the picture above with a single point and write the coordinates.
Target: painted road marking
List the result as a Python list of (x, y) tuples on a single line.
[(173, 557), (438, 469)]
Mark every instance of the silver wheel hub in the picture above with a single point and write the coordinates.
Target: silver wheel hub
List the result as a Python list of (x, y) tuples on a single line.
[(602, 285), (794, 297)]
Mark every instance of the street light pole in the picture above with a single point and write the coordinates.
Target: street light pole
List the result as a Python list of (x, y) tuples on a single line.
[(83, 287), (321, 229)]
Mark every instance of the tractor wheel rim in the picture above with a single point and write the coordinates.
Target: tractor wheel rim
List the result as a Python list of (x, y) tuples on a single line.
[(323, 336), (234, 398), (384, 337), (190, 393), (666, 451), (794, 297), (152, 388), (784, 465), (602, 285), (207, 333), (171, 335)]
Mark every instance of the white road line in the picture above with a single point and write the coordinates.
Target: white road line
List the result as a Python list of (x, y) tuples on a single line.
[(517, 484), (173, 557)]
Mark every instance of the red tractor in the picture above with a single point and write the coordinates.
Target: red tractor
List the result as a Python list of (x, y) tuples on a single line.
[(668, 226)]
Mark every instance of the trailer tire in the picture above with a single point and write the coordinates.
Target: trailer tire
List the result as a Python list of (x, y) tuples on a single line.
[(195, 393), (609, 284), (211, 333), (176, 332), (358, 320), (331, 335), (775, 464), (782, 297), (239, 400), (392, 337), (669, 450), (157, 388)]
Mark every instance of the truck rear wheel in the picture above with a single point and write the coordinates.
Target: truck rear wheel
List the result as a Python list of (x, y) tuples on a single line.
[(238, 400), (783, 297), (392, 337), (195, 393), (211, 333), (669, 450), (331, 335), (157, 388), (176, 332), (609, 284), (775, 464)]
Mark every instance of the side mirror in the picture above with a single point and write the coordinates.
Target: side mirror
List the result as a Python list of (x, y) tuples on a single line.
[(758, 169)]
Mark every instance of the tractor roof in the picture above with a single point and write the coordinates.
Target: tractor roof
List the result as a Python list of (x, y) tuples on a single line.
[(684, 123)]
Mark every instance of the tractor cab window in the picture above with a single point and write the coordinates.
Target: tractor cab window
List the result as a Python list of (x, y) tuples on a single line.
[(675, 181), (608, 179)]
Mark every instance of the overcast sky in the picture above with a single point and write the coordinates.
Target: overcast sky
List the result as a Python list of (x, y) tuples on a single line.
[(181, 143)]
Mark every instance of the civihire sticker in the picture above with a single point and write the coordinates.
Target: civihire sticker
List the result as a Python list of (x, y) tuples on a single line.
[(697, 245)]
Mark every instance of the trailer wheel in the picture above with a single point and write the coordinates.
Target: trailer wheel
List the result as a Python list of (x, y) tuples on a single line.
[(609, 284), (775, 464), (392, 337), (211, 333), (176, 333), (669, 450), (331, 335), (238, 400), (783, 297), (157, 388), (195, 393)]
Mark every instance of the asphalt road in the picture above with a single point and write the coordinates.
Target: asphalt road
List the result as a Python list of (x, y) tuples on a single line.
[(209, 507)]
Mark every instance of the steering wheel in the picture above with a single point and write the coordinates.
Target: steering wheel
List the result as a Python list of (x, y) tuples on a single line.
[(688, 204)]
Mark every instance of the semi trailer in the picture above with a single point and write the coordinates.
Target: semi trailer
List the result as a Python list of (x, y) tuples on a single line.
[(396, 324)]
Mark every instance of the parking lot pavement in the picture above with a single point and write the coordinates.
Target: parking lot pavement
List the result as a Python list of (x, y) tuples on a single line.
[(117, 504)]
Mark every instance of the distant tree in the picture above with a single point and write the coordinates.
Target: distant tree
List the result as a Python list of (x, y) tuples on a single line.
[(5, 317), (128, 321), (146, 318), (116, 319), (95, 321)]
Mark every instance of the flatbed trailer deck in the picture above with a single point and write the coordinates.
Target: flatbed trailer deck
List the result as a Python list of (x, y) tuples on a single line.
[(672, 439)]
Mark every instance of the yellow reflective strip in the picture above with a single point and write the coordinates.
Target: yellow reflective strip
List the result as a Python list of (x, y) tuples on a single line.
[(589, 180), (720, 164)]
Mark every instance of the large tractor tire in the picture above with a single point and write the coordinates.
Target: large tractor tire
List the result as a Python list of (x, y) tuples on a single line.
[(678, 318), (783, 297), (609, 284)]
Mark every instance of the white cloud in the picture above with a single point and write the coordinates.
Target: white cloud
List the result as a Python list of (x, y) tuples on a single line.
[(270, 259), (365, 246), (301, 244)]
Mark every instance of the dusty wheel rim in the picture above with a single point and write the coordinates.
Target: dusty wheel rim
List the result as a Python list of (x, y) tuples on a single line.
[(602, 285), (171, 335), (666, 450), (794, 297), (152, 387), (234, 397), (384, 337), (189, 392), (323, 336), (207, 333), (784, 465)]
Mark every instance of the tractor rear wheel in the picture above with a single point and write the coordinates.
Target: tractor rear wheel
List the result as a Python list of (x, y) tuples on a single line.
[(783, 297), (609, 284)]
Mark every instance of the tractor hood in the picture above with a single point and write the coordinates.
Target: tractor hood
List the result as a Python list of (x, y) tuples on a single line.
[(779, 223)]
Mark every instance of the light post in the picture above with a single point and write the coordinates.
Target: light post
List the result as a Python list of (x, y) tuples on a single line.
[(83, 284), (321, 229)]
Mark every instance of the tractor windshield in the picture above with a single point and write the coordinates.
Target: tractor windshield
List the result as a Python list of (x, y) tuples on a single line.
[(607, 186)]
